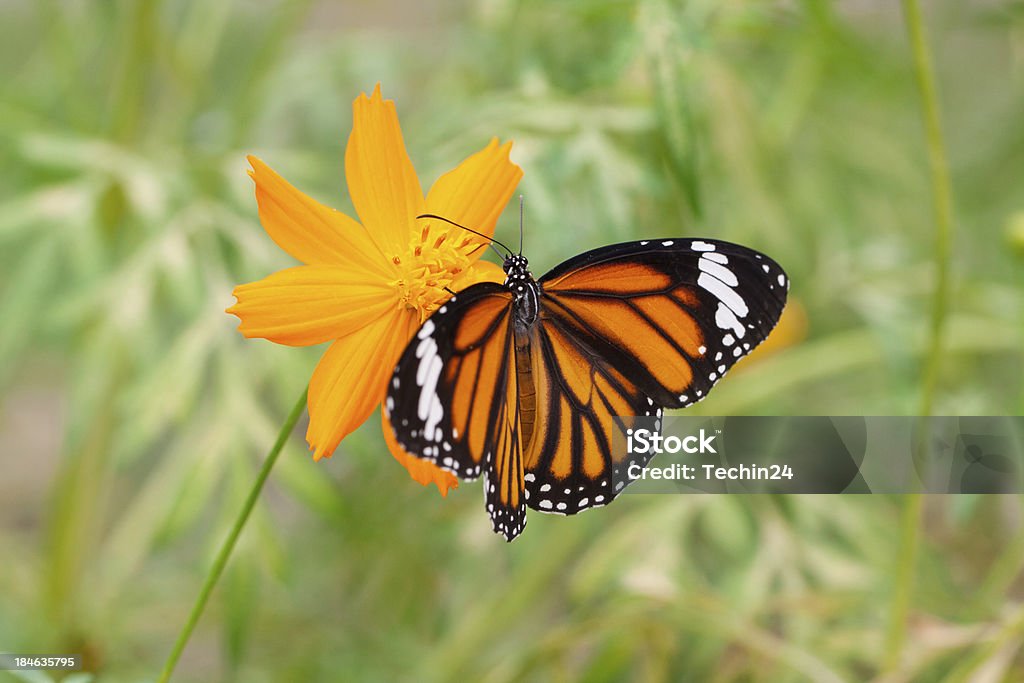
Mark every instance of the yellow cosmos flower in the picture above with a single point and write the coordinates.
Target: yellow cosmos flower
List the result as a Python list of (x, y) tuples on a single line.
[(367, 287)]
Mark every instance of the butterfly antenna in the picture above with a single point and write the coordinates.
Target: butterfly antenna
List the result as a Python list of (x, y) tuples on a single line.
[(520, 225), (480, 234)]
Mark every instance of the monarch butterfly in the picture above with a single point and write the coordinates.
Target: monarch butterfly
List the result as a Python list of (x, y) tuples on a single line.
[(523, 382)]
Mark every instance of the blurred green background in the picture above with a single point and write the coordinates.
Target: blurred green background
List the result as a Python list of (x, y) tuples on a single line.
[(134, 416)]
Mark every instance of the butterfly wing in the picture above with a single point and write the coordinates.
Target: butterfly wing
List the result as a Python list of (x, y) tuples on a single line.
[(626, 330), (464, 413), (582, 401)]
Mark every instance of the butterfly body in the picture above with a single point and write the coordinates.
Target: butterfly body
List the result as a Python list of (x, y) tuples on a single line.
[(528, 382)]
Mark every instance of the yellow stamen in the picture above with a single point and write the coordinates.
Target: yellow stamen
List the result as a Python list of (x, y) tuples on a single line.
[(427, 271)]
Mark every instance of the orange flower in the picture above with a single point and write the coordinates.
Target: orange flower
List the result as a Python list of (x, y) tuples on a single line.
[(367, 288)]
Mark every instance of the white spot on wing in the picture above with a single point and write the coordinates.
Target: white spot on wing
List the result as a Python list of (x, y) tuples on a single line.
[(724, 293), (436, 413), (716, 257), (427, 373), (726, 320), (717, 270)]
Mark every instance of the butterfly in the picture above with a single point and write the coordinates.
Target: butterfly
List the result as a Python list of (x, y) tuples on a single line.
[(526, 382)]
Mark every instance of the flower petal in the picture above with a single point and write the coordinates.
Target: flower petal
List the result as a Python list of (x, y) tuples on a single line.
[(308, 230), (381, 179), (420, 470), (479, 271), (477, 190), (352, 377), (310, 304)]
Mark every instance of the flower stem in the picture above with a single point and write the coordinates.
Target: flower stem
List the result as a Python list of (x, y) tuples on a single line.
[(942, 198), (229, 543)]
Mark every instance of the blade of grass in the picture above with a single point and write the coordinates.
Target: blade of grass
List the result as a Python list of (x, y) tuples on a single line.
[(942, 197)]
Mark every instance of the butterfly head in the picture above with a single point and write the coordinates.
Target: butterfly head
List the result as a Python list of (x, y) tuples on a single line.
[(516, 267)]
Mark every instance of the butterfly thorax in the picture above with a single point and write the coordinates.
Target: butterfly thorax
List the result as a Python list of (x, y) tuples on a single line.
[(525, 291)]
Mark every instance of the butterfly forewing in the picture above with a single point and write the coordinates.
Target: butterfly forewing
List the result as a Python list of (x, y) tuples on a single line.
[(672, 315), (453, 398)]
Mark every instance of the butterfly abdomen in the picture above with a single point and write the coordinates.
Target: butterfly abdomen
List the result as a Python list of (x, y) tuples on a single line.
[(527, 389)]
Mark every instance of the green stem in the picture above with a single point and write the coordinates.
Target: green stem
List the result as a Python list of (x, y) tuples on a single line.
[(903, 588), (229, 543), (942, 197)]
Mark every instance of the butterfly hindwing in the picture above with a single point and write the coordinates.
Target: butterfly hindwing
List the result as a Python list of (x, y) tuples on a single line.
[(584, 404), (504, 495), (453, 398)]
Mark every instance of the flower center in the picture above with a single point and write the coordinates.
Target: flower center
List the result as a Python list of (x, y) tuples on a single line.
[(428, 268)]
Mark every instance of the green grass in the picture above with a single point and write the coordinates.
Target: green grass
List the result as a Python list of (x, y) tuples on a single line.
[(135, 418)]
